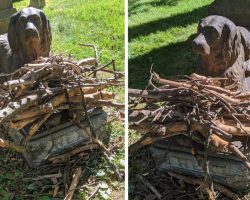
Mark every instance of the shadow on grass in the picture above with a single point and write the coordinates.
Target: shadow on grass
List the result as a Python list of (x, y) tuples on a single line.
[(163, 24), (16, 1), (135, 4), (174, 59)]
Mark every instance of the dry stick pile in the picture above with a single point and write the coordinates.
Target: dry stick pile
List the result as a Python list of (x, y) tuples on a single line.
[(30, 95), (198, 107)]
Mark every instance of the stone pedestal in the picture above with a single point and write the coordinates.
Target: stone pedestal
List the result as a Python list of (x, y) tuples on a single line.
[(236, 10), (37, 3), (61, 138), (6, 10)]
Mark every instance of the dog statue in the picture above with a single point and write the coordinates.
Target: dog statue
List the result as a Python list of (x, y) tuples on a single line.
[(28, 37), (223, 49)]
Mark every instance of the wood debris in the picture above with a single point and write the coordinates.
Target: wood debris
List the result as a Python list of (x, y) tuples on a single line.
[(192, 106), (32, 94)]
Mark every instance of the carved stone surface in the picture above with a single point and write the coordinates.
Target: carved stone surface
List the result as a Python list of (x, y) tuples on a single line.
[(60, 139), (223, 49), (31, 41), (224, 169), (6, 10), (236, 10), (37, 3)]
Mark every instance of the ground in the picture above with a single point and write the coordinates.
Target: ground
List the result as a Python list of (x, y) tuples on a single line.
[(96, 22)]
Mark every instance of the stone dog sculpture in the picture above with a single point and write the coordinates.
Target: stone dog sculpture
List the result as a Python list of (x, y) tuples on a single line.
[(28, 37), (223, 49)]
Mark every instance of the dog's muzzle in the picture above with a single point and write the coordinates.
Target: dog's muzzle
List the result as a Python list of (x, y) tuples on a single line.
[(200, 46), (31, 31)]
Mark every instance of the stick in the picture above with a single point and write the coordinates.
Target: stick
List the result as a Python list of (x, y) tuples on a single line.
[(94, 193), (103, 149), (195, 181), (21, 124), (35, 127), (76, 177), (49, 176), (60, 99), (87, 61), (220, 94), (185, 85), (63, 157), (14, 107), (151, 187), (11, 145)]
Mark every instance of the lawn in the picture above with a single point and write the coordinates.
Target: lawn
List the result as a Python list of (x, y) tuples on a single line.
[(160, 33), (98, 22)]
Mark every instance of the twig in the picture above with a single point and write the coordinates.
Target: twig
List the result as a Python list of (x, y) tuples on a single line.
[(150, 186), (103, 149), (195, 181), (76, 177), (94, 192)]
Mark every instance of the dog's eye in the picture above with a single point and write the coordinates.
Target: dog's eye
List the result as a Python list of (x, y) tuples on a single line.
[(36, 19), (22, 19), (211, 33)]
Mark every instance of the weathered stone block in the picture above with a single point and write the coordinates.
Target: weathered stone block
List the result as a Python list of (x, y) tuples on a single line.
[(4, 19), (37, 3), (61, 139), (224, 169), (236, 10)]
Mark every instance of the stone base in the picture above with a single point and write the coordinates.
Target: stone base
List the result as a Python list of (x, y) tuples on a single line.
[(37, 3), (236, 10), (177, 157), (61, 139), (5, 18)]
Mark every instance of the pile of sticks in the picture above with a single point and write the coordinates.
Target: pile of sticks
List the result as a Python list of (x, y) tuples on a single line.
[(196, 106), (30, 95)]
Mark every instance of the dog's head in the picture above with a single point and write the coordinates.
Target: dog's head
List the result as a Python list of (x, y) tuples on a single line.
[(29, 34), (218, 44)]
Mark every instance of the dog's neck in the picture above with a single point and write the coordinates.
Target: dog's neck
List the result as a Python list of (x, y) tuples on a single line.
[(232, 68), (236, 73), (28, 55)]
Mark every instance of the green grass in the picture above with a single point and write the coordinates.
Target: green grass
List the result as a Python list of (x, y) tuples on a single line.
[(98, 22), (160, 33)]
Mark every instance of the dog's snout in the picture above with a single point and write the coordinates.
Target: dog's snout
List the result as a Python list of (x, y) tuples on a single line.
[(31, 30), (194, 45), (200, 46)]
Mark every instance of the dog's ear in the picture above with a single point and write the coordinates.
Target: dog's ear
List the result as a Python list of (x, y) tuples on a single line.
[(227, 36), (199, 27), (13, 33), (226, 31), (46, 32), (231, 44)]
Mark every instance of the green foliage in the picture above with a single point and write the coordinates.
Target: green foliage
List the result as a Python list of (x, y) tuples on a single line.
[(160, 33), (3, 193)]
